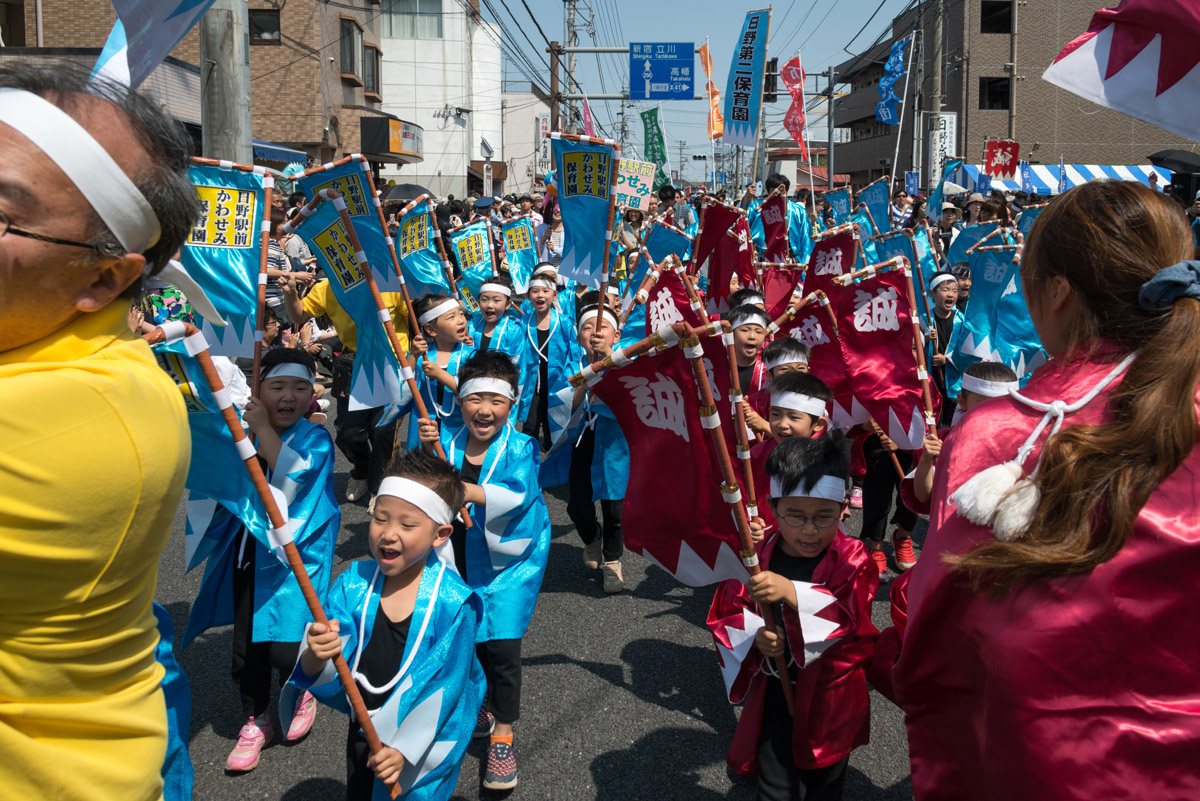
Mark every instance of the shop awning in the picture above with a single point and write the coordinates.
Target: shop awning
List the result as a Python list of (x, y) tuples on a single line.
[(267, 151), (1045, 176)]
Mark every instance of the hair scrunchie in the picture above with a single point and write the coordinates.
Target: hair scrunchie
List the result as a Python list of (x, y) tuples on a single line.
[(1169, 284)]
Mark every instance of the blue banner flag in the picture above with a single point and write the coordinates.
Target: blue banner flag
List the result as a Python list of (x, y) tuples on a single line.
[(376, 378), (1025, 221), (584, 189), (1062, 176), (743, 89), (216, 476), (351, 181), (865, 231), (877, 200), (899, 245), (912, 183), (997, 326), (520, 251), (1027, 178), (885, 109), (223, 252), (983, 184), (840, 202), (419, 259), (937, 199), (472, 248), (968, 237), (145, 33), (664, 240)]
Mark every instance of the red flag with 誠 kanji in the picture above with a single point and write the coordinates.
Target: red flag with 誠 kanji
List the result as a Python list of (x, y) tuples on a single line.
[(718, 218), (779, 285), (774, 215), (814, 326), (674, 513), (875, 330), (668, 303), (732, 255)]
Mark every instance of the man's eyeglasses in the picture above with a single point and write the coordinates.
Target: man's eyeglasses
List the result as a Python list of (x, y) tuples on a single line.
[(6, 227), (823, 520)]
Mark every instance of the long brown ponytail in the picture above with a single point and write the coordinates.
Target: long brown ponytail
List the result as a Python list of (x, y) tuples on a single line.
[(1106, 239)]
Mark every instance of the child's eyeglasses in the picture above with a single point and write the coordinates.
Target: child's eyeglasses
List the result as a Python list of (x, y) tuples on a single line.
[(823, 520)]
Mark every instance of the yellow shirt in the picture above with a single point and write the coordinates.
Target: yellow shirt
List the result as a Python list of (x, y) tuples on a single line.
[(321, 300), (94, 449)]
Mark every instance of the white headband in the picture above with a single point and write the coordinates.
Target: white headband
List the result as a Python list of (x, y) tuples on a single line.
[(799, 403), (498, 288), (543, 283), (87, 164), (419, 496), (289, 370), (829, 488), (782, 360), (497, 386), (990, 389), (753, 300), (545, 269), (590, 312), (751, 319), (437, 311), (938, 279)]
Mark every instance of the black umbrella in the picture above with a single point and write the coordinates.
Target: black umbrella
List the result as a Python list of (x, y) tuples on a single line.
[(1176, 160), (402, 193)]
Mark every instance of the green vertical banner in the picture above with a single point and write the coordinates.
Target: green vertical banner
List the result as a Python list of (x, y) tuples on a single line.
[(654, 146)]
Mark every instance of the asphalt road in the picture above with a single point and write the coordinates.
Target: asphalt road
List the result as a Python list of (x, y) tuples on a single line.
[(622, 696)]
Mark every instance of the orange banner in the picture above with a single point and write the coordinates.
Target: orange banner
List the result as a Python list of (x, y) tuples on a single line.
[(716, 121)]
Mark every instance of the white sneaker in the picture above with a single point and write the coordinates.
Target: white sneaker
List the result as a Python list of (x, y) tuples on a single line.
[(356, 489), (323, 403)]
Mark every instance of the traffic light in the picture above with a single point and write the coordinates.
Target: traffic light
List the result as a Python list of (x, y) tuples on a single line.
[(771, 82), (699, 158)]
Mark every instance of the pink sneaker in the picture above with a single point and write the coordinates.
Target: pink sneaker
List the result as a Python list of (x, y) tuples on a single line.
[(253, 738), (856, 498), (302, 717)]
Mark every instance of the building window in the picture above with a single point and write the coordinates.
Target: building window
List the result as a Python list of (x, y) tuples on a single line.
[(994, 93), (995, 16), (352, 50), (411, 19), (372, 61), (264, 27)]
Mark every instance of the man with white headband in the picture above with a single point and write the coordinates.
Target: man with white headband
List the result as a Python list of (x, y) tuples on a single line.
[(819, 584), (94, 194)]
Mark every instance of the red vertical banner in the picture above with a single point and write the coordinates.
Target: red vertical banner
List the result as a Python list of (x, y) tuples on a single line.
[(731, 255), (1001, 158), (792, 74), (774, 214)]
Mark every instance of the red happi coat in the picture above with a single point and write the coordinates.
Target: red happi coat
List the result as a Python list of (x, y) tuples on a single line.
[(832, 715), (1082, 687)]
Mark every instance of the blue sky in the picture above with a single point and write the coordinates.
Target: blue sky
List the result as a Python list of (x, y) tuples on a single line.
[(818, 28)]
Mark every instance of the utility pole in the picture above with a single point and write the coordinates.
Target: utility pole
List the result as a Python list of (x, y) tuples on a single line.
[(829, 127), (554, 88), (1012, 74), (572, 40), (225, 82), (682, 145), (935, 88)]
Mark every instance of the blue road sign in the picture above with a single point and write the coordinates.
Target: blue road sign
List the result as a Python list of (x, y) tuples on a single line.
[(662, 70)]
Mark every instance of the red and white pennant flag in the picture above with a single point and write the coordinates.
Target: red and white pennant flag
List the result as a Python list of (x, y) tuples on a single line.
[(793, 78), (1140, 58)]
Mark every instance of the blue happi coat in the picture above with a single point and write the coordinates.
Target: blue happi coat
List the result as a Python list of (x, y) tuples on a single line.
[(303, 479), (177, 770), (439, 686), (953, 371), (509, 337), (447, 413), (509, 539), (610, 456)]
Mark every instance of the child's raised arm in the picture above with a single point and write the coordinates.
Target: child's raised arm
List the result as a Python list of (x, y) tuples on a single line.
[(269, 443), (923, 475)]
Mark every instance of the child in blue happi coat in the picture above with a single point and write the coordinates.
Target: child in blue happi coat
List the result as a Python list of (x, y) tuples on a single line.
[(250, 584), (502, 556), (599, 456), (437, 357), (498, 325), (406, 625), (948, 322), (551, 337)]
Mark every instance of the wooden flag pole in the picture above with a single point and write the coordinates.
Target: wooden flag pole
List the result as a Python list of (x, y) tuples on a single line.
[(739, 406), (278, 523), (385, 316), (730, 491), (264, 246), (643, 293)]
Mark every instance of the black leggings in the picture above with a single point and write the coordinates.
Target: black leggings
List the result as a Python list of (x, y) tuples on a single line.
[(253, 662), (880, 484), (778, 777), (501, 662), (537, 425), (582, 510)]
